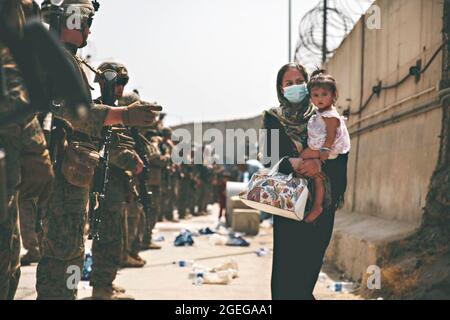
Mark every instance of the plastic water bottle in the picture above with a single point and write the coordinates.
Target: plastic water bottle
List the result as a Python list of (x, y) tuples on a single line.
[(184, 263), (87, 267), (262, 252), (336, 287), (342, 287), (198, 280)]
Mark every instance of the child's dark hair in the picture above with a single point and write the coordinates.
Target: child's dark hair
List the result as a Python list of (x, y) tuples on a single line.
[(320, 79)]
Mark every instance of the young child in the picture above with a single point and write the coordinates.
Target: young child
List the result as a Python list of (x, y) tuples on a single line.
[(327, 134)]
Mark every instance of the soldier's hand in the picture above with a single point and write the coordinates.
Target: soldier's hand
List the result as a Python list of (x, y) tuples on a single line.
[(140, 114)]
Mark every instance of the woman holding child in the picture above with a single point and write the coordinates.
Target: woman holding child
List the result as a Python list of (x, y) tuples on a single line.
[(314, 143)]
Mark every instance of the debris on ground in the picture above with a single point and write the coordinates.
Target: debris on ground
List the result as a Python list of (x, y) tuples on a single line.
[(218, 240), (184, 239), (184, 263), (205, 231), (262, 252), (223, 273), (237, 241), (159, 238), (337, 286)]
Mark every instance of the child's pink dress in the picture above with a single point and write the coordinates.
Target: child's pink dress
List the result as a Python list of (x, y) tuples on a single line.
[(317, 133)]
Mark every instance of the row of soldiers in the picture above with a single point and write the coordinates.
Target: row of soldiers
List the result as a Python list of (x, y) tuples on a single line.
[(115, 160), (51, 175)]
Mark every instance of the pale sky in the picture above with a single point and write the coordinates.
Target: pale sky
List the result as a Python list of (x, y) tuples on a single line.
[(202, 60)]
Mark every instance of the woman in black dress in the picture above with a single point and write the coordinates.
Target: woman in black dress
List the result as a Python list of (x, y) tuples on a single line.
[(299, 247)]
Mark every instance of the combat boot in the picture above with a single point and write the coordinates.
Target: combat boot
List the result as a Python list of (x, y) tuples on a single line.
[(107, 293), (118, 289), (138, 257), (130, 262), (151, 246)]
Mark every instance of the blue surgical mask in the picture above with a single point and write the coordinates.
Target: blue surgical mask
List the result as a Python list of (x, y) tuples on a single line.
[(296, 93)]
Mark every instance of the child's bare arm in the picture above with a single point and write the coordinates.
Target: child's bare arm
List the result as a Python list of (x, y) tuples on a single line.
[(332, 124)]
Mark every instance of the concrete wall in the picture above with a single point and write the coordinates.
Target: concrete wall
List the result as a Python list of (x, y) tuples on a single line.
[(391, 162)]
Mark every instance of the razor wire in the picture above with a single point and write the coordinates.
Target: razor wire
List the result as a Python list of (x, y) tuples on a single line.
[(342, 15)]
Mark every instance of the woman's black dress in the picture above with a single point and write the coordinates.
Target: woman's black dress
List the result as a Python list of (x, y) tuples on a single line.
[(299, 247)]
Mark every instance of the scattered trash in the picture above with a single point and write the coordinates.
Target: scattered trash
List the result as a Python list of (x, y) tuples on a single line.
[(206, 231), (230, 265), (342, 287), (198, 280), (197, 271), (218, 240), (184, 263), (184, 239), (221, 277), (159, 238), (87, 267), (237, 241), (223, 273), (262, 252)]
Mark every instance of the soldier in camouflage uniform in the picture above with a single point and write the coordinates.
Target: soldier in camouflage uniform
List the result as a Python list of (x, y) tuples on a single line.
[(158, 164), (133, 210), (186, 191), (140, 224), (65, 217), (168, 182), (28, 164), (123, 163)]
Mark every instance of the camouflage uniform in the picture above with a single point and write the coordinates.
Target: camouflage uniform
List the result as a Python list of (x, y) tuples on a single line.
[(140, 224), (203, 187), (134, 213), (167, 186), (108, 250), (65, 217), (28, 222), (135, 218), (157, 165), (21, 140), (186, 190)]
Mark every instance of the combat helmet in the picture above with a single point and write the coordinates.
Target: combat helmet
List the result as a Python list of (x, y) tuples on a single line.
[(85, 8), (120, 69)]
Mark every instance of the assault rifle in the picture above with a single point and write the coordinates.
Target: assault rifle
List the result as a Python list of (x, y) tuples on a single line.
[(101, 175)]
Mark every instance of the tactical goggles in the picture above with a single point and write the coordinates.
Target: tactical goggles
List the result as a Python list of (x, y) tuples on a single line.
[(122, 81)]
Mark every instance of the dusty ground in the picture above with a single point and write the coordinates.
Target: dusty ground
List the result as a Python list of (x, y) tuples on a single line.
[(161, 279)]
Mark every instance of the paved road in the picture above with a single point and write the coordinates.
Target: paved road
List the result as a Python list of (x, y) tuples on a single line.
[(161, 279)]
